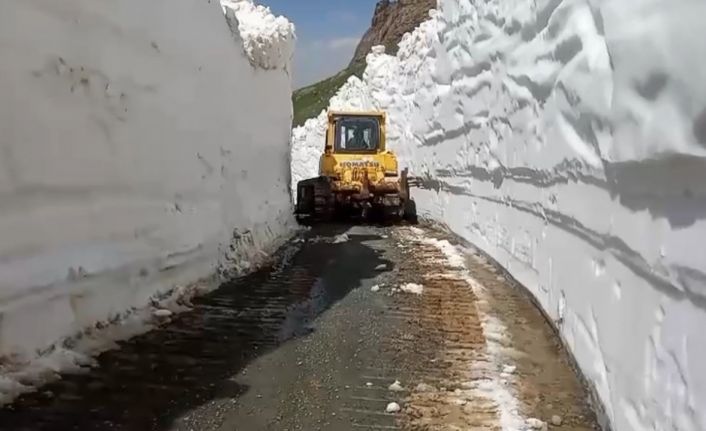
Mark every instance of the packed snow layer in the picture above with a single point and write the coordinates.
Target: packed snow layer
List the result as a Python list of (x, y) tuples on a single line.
[(140, 152), (268, 39), (567, 138)]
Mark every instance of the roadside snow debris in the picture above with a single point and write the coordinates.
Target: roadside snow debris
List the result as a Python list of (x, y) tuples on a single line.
[(396, 387), (11, 386), (162, 313), (381, 267), (556, 420), (454, 258), (393, 408), (369, 384), (341, 238), (509, 369), (460, 401), (416, 230), (414, 288), (536, 424), (375, 288), (423, 387), (497, 385)]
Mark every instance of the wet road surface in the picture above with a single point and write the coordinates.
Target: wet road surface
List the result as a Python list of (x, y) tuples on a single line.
[(306, 344)]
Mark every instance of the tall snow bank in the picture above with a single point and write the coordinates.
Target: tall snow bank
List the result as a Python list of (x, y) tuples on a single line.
[(568, 140), (268, 40), (140, 152)]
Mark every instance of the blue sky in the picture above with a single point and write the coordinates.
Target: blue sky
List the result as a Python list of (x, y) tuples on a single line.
[(327, 31)]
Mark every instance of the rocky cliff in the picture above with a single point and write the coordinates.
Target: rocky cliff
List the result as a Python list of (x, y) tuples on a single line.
[(392, 19)]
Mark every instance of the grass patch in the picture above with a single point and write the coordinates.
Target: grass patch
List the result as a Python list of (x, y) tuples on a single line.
[(311, 100)]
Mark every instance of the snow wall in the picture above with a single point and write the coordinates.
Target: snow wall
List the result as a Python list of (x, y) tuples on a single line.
[(144, 146), (567, 138)]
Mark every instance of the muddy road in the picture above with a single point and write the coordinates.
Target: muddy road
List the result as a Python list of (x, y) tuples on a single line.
[(349, 328)]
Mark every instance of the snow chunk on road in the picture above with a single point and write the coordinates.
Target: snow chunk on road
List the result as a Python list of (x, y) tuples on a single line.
[(393, 408), (341, 239), (162, 313), (536, 424), (268, 39), (416, 230), (454, 257), (414, 288), (396, 387), (423, 387), (375, 288), (509, 369)]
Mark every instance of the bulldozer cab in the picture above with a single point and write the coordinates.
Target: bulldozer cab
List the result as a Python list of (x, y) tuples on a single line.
[(355, 133)]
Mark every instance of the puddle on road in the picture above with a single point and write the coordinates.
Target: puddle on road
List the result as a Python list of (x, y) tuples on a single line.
[(300, 317)]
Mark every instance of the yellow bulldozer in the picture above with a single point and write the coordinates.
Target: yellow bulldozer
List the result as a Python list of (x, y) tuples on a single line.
[(358, 176)]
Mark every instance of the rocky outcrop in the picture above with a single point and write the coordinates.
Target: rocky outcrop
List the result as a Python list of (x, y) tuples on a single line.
[(392, 19)]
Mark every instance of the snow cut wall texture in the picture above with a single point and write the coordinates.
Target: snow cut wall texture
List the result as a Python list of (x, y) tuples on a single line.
[(141, 148), (567, 138)]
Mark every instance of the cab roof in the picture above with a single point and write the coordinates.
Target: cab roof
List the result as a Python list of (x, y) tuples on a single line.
[(377, 114)]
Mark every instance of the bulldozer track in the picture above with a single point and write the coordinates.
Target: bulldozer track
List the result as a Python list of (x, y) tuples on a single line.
[(185, 362), (439, 346), (446, 318), (456, 327)]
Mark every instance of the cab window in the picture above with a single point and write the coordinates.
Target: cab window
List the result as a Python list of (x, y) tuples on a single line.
[(357, 135)]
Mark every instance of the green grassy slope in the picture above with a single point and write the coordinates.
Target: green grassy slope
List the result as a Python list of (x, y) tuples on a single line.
[(310, 101)]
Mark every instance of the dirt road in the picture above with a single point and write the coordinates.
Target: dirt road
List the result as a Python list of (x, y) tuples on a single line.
[(347, 321)]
